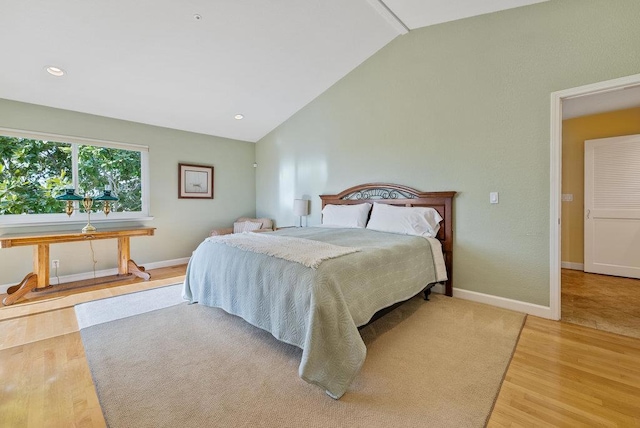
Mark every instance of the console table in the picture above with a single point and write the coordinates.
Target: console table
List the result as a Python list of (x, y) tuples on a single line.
[(39, 278)]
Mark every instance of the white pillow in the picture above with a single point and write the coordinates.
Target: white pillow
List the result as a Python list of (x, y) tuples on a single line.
[(245, 226), (346, 215), (419, 221)]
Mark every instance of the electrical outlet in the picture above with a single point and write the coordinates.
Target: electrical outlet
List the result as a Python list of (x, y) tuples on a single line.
[(55, 264)]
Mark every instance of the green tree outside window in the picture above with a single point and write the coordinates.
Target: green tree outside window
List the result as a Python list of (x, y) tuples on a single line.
[(34, 172)]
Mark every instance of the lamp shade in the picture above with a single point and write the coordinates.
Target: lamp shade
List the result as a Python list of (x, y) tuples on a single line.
[(106, 196), (301, 207), (69, 195)]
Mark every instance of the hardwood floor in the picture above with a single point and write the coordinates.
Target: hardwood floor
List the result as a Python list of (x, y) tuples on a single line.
[(44, 376), (568, 375), (603, 302), (561, 374)]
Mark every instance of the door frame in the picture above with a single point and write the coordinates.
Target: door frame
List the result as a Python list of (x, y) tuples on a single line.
[(555, 206)]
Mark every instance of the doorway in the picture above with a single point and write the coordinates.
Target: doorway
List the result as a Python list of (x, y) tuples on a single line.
[(557, 101)]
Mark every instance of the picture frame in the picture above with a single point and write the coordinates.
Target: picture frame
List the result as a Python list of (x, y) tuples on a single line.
[(195, 181)]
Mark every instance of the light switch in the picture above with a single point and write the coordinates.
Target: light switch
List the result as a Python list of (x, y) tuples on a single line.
[(493, 197), (567, 197)]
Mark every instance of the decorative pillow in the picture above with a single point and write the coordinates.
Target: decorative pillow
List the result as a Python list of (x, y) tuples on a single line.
[(245, 226), (346, 215), (267, 223), (419, 221)]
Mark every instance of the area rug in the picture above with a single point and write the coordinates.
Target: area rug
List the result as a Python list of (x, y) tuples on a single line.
[(126, 305), (437, 363)]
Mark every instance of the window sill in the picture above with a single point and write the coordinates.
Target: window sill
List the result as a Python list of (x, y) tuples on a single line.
[(74, 222)]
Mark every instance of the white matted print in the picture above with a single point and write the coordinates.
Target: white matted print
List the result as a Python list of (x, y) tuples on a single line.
[(195, 181)]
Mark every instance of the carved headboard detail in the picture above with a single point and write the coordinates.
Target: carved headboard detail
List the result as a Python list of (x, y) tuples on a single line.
[(394, 194)]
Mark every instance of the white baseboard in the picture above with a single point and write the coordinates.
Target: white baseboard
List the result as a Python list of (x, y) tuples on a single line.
[(571, 265), (105, 272), (501, 302)]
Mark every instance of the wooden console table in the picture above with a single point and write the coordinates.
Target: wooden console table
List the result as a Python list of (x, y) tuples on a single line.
[(39, 278)]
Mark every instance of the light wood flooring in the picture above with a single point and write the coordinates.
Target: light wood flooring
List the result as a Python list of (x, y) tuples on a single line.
[(44, 376), (609, 303), (561, 374)]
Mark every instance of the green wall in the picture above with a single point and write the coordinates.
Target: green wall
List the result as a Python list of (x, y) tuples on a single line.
[(461, 106), (181, 223)]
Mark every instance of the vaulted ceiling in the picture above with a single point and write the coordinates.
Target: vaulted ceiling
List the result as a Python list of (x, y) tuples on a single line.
[(195, 64)]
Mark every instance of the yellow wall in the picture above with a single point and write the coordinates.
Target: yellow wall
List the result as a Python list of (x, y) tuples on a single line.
[(574, 133)]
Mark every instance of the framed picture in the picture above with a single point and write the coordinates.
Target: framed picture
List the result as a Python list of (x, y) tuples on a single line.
[(195, 181)]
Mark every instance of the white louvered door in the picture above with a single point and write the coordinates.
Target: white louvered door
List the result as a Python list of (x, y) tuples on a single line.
[(612, 206)]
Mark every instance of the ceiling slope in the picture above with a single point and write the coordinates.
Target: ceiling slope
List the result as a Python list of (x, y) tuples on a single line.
[(155, 62)]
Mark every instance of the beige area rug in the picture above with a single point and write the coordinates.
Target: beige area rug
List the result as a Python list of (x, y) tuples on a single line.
[(435, 364)]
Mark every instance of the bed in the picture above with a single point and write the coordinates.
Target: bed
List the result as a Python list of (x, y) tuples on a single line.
[(318, 306)]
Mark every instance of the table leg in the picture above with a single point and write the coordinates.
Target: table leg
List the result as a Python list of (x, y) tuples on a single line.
[(41, 264), (124, 254), (34, 281), (138, 271), (15, 292), (127, 266)]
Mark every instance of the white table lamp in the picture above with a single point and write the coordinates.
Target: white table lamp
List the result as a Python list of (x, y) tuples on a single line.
[(301, 208)]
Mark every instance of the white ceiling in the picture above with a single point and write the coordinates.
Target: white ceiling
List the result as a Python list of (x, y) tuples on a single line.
[(151, 61), (599, 103)]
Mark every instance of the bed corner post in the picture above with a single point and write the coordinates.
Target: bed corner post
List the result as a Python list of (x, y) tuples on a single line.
[(448, 253), (448, 285)]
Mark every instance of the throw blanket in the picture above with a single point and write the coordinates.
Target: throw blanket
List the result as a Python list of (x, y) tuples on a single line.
[(304, 251)]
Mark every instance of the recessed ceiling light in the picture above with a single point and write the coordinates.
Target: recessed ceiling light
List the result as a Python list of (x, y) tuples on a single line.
[(55, 71), (238, 116), (197, 17)]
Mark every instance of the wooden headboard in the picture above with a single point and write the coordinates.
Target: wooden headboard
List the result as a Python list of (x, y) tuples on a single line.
[(394, 194)]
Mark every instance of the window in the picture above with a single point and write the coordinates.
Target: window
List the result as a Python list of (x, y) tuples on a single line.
[(35, 168)]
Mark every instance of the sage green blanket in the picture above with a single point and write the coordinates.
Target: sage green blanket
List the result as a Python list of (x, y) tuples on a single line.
[(318, 310)]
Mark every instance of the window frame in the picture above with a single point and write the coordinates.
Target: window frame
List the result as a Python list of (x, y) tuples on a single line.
[(18, 220)]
